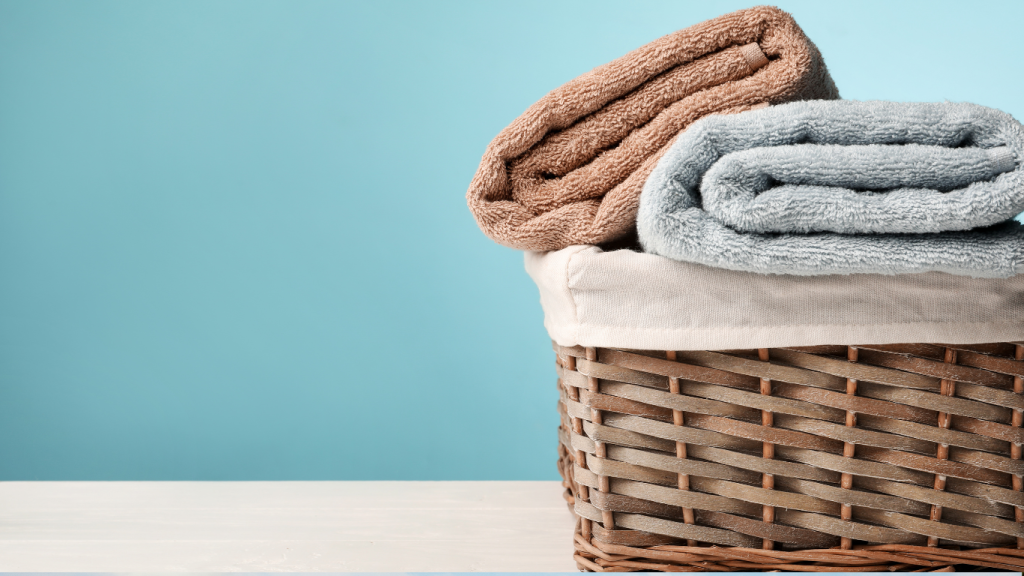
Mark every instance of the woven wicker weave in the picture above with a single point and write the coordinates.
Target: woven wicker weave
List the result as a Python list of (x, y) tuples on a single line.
[(894, 457)]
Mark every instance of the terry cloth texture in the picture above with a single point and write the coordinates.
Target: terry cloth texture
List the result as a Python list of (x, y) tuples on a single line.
[(626, 299), (570, 169), (842, 187)]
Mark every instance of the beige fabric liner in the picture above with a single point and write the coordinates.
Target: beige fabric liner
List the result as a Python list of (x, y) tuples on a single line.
[(626, 299)]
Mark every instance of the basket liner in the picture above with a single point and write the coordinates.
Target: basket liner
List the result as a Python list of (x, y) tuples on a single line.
[(626, 299)]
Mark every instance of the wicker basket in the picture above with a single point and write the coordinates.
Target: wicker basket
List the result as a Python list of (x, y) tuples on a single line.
[(827, 458)]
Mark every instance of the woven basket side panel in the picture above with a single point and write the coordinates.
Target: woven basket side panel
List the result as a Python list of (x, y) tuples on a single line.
[(788, 450)]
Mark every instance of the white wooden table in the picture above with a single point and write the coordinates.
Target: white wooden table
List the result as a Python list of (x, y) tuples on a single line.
[(284, 526)]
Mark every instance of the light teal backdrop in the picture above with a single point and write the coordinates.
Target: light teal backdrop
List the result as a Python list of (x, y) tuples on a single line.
[(233, 239)]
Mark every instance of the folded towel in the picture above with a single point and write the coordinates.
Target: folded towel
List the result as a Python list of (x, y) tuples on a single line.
[(842, 187), (570, 169)]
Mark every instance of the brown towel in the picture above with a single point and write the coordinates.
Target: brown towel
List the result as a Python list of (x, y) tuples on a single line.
[(570, 169)]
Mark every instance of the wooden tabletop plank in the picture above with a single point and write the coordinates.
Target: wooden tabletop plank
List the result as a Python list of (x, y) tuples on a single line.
[(284, 526)]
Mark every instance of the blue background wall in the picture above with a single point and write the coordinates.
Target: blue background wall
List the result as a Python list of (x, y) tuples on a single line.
[(233, 238)]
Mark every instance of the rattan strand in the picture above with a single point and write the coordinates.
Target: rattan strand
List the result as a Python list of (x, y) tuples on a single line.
[(827, 458)]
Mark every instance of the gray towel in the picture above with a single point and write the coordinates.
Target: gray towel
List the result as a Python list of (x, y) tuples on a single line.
[(843, 187)]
